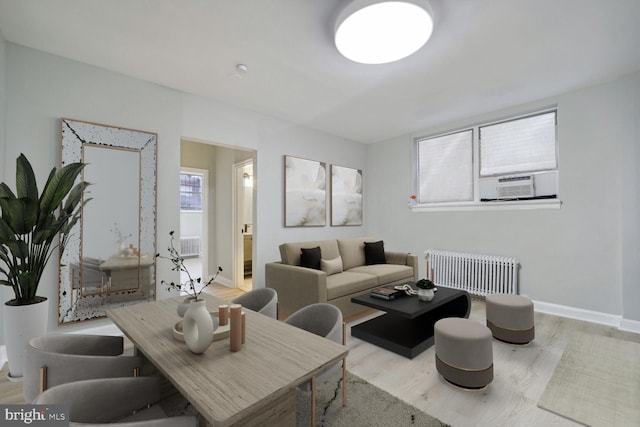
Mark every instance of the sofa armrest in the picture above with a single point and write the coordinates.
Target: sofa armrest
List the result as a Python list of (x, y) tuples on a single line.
[(403, 258), (296, 286)]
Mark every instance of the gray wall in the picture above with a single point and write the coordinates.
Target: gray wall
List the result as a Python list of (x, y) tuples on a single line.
[(630, 159), (272, 139), (584, 255), (41, 88), (5, 292), (3, 154)]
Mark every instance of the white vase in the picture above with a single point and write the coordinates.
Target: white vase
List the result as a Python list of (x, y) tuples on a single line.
[(197, 327), (184, 305), (21, 323), (425, 294)]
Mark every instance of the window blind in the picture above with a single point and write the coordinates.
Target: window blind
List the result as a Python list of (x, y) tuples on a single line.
[(446, 168), (521, 145)]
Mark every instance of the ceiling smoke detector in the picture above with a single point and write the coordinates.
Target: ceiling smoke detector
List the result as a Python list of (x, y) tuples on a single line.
[(241, 69)]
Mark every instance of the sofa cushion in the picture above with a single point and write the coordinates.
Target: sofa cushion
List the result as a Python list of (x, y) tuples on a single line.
[(352, 251), (310, 257), (386, 273), (347, 282), (374, 253), (290, 252), (331, 266)]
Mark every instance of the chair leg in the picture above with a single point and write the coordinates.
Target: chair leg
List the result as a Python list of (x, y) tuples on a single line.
[(43, 378), (344, 382), (313, 401), (344, 366)]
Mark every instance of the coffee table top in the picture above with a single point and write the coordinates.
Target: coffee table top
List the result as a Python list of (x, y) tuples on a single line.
[(410, 306)]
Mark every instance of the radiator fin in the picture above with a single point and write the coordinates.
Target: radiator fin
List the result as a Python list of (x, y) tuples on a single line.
[(190, 246), (475, 273)]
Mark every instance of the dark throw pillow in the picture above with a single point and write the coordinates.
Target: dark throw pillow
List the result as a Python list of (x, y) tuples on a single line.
[(374, 253), (310, 258)]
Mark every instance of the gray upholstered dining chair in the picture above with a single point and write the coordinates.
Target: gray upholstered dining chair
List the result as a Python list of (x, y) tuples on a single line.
[(55, 359), (262, 300), (324, 320), (121, 402)]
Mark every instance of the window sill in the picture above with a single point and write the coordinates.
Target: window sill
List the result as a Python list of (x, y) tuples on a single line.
[(488, 206)]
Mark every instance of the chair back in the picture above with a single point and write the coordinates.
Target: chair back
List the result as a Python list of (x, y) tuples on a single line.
[(56, 359), (123, 401), (321, 319), (261, 300)]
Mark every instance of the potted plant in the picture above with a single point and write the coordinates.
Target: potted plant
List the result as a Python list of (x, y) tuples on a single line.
[(32, 227), (198, 326), (425, 289), (192, 286)]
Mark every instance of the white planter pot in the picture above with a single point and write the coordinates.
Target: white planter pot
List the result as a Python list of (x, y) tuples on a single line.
[(425, 294), (21, 323), (184, 305)]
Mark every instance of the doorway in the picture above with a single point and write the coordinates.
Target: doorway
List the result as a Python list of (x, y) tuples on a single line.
[(194, 184), (243, 224), (222, 219)]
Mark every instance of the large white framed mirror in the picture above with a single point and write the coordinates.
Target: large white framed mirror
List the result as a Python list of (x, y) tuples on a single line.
[(109, 260)]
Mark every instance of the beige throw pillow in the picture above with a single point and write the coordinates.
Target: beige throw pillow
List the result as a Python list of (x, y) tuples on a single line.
[(331, 266)]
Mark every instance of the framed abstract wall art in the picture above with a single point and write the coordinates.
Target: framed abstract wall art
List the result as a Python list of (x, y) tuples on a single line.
[(305, 192), (346, 196)]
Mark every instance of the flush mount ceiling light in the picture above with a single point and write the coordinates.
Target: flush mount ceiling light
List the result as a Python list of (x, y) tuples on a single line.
[(378, 32)]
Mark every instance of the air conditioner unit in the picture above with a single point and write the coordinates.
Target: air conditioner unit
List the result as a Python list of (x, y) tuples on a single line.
[(515, 187), (535, 185)]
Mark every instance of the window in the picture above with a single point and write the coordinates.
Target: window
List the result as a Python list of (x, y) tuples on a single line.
[(445, 168), (191, 191), (512, 160), (523, 145)]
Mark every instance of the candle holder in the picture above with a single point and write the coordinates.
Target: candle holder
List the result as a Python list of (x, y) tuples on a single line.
[(235, 318)]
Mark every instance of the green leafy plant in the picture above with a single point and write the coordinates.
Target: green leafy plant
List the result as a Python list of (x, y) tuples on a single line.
[(425, 284), (189, 286), (33, 225)]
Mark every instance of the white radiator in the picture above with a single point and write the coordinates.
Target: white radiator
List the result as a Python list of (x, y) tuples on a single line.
[(190, 246), (477, 274)]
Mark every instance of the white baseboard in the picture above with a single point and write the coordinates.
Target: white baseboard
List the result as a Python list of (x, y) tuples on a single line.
[(225, 281), (630, 325), (578, 314)]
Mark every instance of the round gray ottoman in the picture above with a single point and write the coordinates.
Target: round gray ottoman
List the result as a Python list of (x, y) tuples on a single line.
[(464, 352), (510, 318)]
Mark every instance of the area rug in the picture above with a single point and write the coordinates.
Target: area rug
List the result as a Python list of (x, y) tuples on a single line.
[(367, 406), (596, 382)]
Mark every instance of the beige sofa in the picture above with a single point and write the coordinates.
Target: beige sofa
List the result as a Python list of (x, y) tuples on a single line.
[(299, 286)]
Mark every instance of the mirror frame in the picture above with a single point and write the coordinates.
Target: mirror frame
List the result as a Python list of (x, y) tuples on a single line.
[(75, 135)]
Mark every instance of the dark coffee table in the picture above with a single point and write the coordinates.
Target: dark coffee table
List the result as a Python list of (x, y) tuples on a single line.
[(407, 326)]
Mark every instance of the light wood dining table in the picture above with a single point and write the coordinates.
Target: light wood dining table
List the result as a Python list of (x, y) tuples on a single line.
[(255, 386)]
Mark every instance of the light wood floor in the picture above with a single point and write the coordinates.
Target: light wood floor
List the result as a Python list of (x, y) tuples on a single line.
[(521, 374)]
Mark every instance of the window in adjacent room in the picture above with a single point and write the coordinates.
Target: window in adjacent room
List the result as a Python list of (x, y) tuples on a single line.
[(191, 191), (513, 160)]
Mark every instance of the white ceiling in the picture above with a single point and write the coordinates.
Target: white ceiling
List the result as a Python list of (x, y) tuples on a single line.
[(483, 55)]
